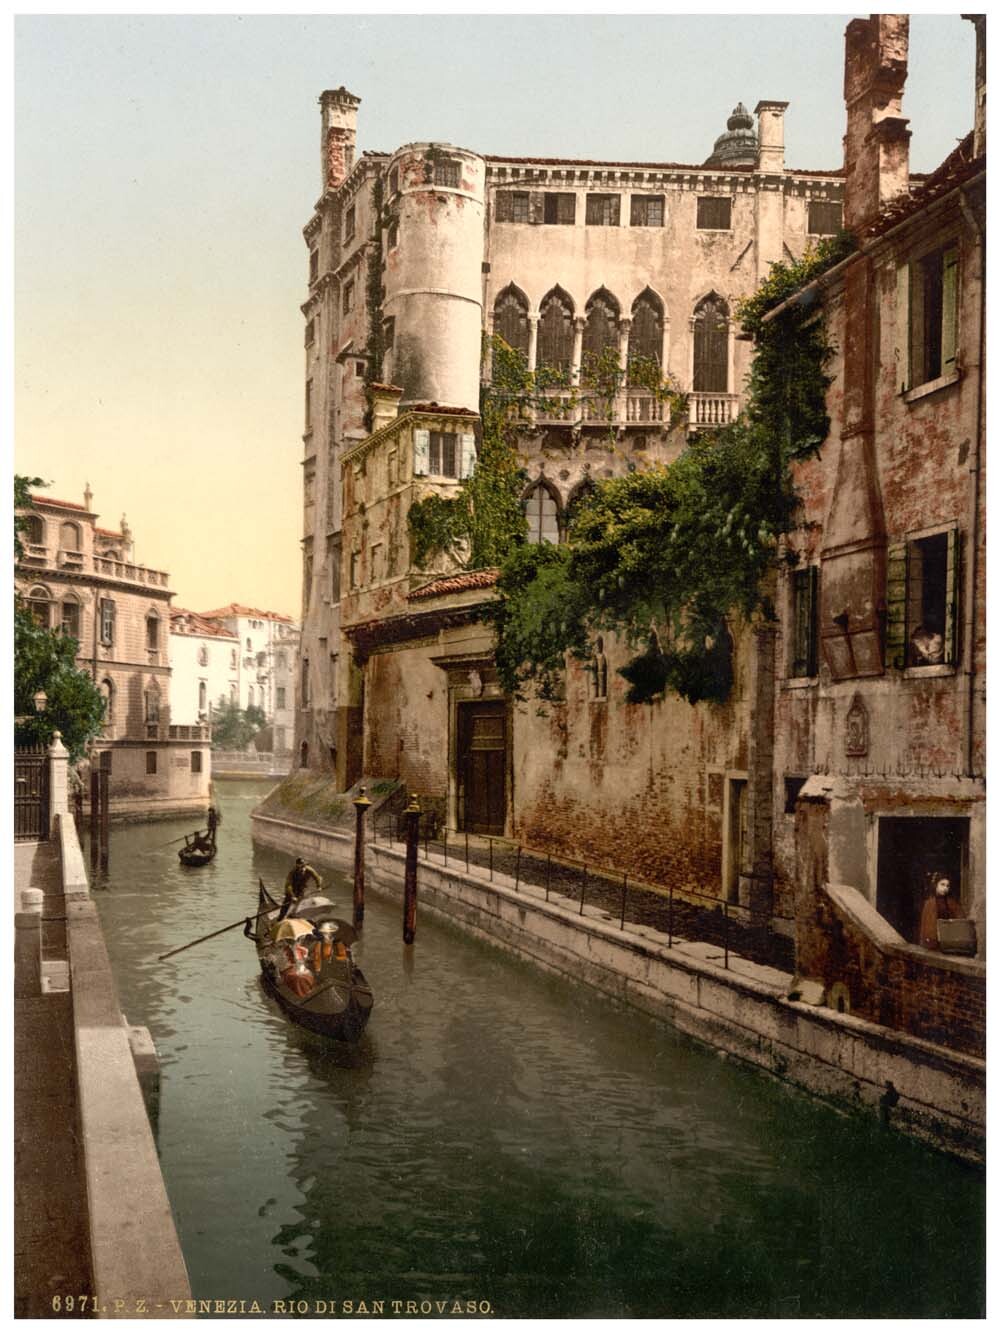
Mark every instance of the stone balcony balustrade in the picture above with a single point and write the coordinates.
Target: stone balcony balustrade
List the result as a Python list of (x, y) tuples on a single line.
[(706, 410)]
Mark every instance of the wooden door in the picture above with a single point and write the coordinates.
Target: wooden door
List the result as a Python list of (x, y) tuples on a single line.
[(482, 766)]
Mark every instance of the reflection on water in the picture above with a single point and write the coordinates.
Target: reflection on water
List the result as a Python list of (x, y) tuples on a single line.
[(499, 1134)]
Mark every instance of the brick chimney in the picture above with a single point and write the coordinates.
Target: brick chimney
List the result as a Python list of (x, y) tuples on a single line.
[(877, 142), (385, 404), (340, 130), (979, 137), (770, 135)]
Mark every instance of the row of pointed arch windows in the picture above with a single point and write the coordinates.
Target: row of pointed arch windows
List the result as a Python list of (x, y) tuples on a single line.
[(555, 343)]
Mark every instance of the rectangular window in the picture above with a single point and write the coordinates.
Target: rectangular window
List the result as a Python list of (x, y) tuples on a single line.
[(933, 316), (394, 181), (825, 219), (152, 633), (922, 601), (376, 562), (513, 206), (448, 172), (715, 213), (279, 701), (348, 297), (392, 236), (603, 210), (443, 454), (349, 223), (355, 569), (333, 561), (313, 264), (105, 761), (647, 210), (310, 332), (71, 619), (305, 682), (391, 470), (150, 761), (805, 624), (107, 622), (359, 370), (309, 404), (560, 209), (195, 761)]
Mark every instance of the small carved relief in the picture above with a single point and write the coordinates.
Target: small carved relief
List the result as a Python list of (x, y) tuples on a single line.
[(856, 729)]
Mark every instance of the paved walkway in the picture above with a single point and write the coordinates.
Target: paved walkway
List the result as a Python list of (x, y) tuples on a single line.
[(51, 1240), (698, 930)]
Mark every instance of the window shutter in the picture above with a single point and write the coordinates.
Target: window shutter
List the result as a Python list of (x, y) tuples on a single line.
[(951, 605), (468, 457), (421, 452), (812, 608), (902, 328), (536, 207), (895, 628), (949, 311)]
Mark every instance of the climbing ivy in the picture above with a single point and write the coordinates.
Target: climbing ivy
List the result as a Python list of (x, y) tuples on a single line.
[(375, 347), (684, 548)]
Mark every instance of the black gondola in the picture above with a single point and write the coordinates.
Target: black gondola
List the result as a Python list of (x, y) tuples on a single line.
[(311, 972), (198, 849)]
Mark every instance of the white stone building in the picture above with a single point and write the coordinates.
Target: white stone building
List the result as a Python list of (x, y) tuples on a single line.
[(267, 646), (204, 666)]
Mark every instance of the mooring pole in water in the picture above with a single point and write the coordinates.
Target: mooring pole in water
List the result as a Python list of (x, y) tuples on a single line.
[(412, 816), (104, 782), (361, 804), (95, 815)]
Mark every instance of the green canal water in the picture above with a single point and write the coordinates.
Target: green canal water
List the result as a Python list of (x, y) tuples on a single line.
[(499, 1136)]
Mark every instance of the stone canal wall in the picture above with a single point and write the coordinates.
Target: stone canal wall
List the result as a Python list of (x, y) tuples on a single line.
[(923, 1089)]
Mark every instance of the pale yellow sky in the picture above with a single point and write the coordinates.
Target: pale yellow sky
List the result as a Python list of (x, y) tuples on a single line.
[(165, 166)]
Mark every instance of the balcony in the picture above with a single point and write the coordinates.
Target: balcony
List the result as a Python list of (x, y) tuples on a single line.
[(119, 569), (643, 409), (194, 732), (708, 410)]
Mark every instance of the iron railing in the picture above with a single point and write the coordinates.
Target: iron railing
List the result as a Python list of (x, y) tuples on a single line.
[(31, 794), (681, 915)]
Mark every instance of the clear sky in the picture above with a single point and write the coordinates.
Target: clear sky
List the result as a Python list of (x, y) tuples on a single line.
[(164, 169)]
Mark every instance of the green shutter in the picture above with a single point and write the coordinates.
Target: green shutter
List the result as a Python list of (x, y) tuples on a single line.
[(468, 458), (421, 452), (902, 328), (895, 627), (949, 310), (951, 606)]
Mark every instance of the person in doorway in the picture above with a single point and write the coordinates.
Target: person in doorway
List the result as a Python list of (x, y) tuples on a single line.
[(295, 885), (939, 905)]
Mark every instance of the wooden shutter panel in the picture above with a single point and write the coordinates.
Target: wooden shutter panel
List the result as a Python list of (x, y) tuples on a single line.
[(536, 207), (895, 628), (949, 310), (468, 457), (902, 328), (951, 605), (421, 452)]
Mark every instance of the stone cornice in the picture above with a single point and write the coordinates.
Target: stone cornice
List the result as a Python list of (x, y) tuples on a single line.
[(391, 428), (368, 636), (86, 579)]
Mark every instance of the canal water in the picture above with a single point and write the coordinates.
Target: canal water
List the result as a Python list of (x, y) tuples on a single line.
[(499, 1136)]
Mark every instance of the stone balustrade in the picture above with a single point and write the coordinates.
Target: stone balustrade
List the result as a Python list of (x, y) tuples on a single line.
[(706, 410)]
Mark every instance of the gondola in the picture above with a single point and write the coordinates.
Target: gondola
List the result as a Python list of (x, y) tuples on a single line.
[(306, 964), (198, 849)]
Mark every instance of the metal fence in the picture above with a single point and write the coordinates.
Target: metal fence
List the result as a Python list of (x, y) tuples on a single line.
[(31, 795), (686, 915)]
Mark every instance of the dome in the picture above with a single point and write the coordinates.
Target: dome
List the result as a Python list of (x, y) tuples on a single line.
[(738, 146)]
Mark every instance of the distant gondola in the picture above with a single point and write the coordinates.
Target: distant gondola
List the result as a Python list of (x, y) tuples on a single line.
[(306, 964), (198, 849)]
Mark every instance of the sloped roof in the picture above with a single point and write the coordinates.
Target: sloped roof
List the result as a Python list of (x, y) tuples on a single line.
[(190, 622), (450, 583), (57, 504), (960, 165), (236, 609)]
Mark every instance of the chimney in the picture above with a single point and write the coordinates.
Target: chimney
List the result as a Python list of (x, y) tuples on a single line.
[(770, 136), (877, 142), (385, 404), (979, 137), (340, 130)]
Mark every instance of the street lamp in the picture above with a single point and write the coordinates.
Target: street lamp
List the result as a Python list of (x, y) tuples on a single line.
[(40, 699)]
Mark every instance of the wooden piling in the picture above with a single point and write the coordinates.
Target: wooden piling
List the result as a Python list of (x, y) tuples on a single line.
[(361, 805), (412, 817)]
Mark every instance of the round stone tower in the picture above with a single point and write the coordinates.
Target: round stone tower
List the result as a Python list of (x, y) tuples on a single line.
[(432, 308), (738, 146)]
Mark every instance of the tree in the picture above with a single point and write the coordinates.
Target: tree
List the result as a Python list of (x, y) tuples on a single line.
[(45, 660), (233, 728)]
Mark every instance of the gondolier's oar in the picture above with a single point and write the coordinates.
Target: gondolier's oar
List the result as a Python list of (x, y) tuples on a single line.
[(171, 842), (191, 943)]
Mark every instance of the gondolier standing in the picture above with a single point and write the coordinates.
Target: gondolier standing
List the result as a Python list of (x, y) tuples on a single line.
[(295, 885)]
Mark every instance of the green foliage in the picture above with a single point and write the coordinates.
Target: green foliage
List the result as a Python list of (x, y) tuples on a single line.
[(45, 659), (23, 487), (375, 347), (233, 728), (684, 548)]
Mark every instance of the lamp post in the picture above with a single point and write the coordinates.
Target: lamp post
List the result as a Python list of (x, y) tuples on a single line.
[(40, 699), (361, 804)]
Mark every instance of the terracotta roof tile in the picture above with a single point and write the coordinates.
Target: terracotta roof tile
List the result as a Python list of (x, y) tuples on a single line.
[(438, 410), (450, 583), (59, 504), (235, 609), (958, 166), (195, 624)]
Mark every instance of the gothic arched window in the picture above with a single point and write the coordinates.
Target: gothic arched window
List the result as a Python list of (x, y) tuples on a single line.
[(555, 332), (711, 346), (645, 337), (601, 332), (576, 500), (542, 512), (510, 319)]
